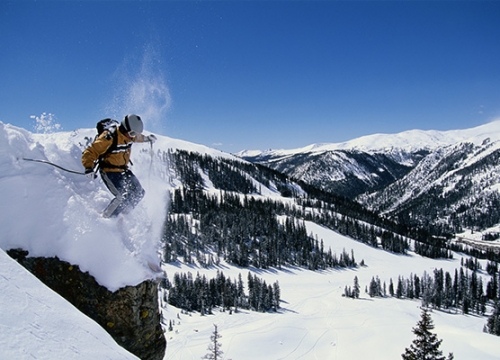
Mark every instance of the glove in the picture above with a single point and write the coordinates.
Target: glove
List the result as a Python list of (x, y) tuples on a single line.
[(151, 138), (89, 172)]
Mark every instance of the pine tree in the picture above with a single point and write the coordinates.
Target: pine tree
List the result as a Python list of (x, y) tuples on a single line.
[(426, 345), (355, 292), (391, 287), (215, 352)]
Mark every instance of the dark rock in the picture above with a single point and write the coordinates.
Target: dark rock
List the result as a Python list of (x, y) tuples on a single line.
[(130, 314)]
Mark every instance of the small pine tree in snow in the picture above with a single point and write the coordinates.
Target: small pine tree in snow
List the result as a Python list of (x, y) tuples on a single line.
[(426, 345), (355, 293), (215, 352)]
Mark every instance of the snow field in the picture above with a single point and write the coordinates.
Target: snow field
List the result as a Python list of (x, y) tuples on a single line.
[(316, 322)]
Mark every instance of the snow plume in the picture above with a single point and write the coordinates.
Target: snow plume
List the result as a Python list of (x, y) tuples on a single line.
[(141, 90), (46, 123)]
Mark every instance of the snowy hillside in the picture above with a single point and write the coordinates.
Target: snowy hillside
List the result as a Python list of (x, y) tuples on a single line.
[(53, 213), (316, 322), (445, 171), (37, 323)]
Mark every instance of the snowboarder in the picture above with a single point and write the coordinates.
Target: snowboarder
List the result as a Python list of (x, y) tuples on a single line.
[(111, 150)]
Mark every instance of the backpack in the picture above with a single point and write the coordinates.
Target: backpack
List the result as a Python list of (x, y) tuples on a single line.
[(106, 124), (111, 126)]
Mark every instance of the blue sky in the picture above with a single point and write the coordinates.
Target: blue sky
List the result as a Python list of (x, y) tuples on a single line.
[(253, 74)]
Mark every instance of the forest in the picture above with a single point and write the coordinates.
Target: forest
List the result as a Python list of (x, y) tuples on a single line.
[(203, 295), (218, 213), (245, 228)]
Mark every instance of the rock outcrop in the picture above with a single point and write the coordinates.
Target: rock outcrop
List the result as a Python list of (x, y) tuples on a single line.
[(130, 314)]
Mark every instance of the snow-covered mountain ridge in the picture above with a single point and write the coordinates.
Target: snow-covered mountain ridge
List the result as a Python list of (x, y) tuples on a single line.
[(406, 142), (405, 174)]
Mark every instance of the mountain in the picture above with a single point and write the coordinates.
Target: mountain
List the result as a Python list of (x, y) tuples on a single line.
[(228, 216), (404, 175), (345, 172), (455, 188)]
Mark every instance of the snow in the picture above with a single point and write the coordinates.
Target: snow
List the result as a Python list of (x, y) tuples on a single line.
[(317, 322), (53, 213), (37, 323)]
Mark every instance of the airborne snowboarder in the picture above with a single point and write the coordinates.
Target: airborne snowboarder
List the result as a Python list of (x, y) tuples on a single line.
[(111, 151)]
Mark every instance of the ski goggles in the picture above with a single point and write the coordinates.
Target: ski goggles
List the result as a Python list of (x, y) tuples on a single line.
[(132, 133)]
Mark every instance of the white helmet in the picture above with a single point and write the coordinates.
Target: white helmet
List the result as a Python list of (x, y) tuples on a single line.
[(133, 124)]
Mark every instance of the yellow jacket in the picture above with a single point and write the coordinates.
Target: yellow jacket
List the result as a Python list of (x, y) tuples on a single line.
[(114, 161)]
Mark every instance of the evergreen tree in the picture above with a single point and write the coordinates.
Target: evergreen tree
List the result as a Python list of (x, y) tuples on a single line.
[(215, 352), (391, 288), (373, 290), (399, 288), (355, 292), (276, 295), (426, 345)]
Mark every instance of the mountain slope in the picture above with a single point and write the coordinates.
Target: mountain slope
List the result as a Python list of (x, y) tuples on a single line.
[(456, 186), (444, 180), (344, 172)]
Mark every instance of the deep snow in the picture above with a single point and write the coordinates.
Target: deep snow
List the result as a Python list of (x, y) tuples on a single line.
[(37, 323), (50, 212)]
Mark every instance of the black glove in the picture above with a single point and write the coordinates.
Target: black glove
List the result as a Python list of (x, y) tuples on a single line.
[(89, 172), (151, 138)]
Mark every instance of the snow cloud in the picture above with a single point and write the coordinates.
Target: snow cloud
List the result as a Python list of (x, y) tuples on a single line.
[(141, 89)]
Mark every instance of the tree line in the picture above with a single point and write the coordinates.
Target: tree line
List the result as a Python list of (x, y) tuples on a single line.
[(243, 231), (462, 291), (246, 232), (203, 295)]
